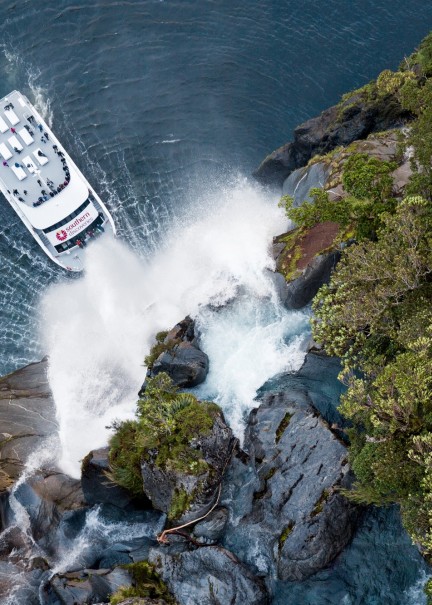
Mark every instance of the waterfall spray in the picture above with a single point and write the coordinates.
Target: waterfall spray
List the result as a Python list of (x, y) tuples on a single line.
[(98, 329)]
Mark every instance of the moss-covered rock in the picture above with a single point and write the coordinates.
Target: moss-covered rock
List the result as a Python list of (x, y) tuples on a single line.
[(354, 118), (177, 353), (375, 107), (184, 481), (176, 451), (146, 584), (359, 184)]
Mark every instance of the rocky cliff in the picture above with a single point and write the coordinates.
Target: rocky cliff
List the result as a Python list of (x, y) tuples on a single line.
[(358, 115)]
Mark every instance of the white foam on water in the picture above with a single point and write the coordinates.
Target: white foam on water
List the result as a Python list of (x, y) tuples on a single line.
[(416, 595), (43, 456), (42, 101), (247, 343), (97, 329), (97, 530)]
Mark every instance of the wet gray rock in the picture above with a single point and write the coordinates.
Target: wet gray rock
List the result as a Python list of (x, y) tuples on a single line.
[(44, 515), (45, 499), (83, 587), (162, 485), (208, 576), (287, 517), (27, 417), (279, 282), (22, 585), (144, 601), (301, 181), (302, 290), (212, 527), (96, 484), (113, 558), (15, 545), (183, 360), (318, 377), (332, 128), (59, 488)]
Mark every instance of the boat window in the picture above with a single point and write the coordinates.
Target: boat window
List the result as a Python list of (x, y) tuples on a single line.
[(68, 218)]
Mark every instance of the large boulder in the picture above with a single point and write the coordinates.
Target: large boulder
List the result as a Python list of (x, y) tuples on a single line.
[(301, 181), (180, 356), (305, 258), (27, 418), (287, 515), (45, 500), (208, 576), (57, 487), (188, 495)]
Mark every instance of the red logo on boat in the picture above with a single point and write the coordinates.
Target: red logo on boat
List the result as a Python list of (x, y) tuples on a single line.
[(61, 235)]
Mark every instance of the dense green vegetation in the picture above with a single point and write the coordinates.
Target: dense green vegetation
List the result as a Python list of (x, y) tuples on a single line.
[(146, 584), (166, 423), (376, 315), (376, 312), (368, 182)]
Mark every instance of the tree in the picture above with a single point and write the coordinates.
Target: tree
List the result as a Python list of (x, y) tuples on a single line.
[(372, 280)]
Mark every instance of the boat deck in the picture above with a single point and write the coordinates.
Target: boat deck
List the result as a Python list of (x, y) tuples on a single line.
[(32, 178)]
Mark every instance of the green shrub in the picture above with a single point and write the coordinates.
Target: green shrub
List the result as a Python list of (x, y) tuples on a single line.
[(319, 210), (368, 182), (126, 453), (428, 591), (146, 584), (376, 312), (167, 422), (367, 177), (159, 347), (421, 57)]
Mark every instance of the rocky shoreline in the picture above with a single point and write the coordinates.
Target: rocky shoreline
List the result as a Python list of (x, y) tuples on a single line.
[(269, 511)]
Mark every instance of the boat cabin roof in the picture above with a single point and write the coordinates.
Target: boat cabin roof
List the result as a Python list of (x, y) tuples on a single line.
[(34, 167)]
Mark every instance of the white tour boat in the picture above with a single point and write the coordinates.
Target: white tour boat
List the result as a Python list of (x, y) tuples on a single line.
[(44, 186)]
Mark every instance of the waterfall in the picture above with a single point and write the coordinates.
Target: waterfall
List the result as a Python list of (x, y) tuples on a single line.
[(97, 329)]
